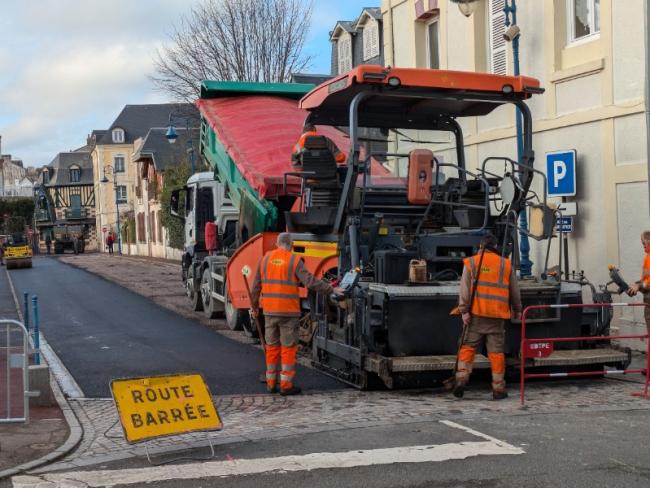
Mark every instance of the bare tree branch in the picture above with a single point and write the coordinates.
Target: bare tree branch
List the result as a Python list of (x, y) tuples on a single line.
[(235, 40)]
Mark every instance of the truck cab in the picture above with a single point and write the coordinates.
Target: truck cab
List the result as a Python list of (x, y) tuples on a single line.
[(202, 200)]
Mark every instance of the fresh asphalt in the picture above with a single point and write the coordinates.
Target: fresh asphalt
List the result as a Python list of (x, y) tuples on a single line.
[(102, 331)]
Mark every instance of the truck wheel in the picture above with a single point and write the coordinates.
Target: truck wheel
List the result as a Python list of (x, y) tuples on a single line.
[(212, 307), (192, 293), (235, 317)]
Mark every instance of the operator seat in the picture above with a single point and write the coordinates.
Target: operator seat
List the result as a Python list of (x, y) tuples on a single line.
[(317, 158)]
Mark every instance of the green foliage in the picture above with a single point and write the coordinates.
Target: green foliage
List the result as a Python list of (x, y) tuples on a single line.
[(173, 179), (128, 230), (15, 214)]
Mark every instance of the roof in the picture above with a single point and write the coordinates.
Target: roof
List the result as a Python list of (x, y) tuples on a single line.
[(351, 26), (374, 12), (136, 120), (156, 147), (417, 97), (259, 133), (60, 168), (217, 89)]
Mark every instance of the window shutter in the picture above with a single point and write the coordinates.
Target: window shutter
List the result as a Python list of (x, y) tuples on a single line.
[(498, 59), (374, 39), (367, 42), (345, 54)]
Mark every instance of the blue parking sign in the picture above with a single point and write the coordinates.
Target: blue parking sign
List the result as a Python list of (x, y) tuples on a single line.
[(561, 173)]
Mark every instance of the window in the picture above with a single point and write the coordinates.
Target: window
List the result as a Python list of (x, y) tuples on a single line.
[(120, 194), (46, 177), (584, 18), (370, 39), (118, 164), (345, 53), (497, 44), (118, 135), (433, 49), (75, 174)]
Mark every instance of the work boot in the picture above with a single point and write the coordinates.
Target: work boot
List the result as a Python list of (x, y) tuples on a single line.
[(294, 390), (459, 389), (499, 394)]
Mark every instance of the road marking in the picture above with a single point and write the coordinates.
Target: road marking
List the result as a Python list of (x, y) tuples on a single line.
[(279, 465), (66, 381)]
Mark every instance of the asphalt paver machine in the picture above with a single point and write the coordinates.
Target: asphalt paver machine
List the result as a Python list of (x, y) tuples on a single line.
[(391, 328)]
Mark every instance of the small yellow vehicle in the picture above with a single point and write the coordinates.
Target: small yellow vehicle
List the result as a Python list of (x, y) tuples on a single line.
[(18, 252)]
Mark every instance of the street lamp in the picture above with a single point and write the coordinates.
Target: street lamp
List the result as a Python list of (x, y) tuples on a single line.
[(512, 34), (117, 205), (466, 7), (172, 135)]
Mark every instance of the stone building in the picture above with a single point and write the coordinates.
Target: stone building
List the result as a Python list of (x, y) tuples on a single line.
[(112, 150), (590, 57)]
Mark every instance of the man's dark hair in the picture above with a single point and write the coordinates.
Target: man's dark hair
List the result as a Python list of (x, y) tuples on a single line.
[(489, 241)]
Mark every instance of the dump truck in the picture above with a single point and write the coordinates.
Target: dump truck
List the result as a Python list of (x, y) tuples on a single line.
[(18, 252), (365, 226)]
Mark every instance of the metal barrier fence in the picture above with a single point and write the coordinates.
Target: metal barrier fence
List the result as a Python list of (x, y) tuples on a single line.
[(14, 355), (544, 347)]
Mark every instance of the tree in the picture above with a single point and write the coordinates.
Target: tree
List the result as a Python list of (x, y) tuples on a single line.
[(235, 40), (174, 177)]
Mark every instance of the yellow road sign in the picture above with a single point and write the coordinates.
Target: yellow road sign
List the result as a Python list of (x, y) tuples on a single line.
[(164, 405)]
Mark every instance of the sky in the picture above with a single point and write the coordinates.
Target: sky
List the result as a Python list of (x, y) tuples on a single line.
[(69, 66)]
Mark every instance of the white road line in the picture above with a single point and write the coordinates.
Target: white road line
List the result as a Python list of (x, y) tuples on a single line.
[(278, 465), (66, 381), (476, 433)]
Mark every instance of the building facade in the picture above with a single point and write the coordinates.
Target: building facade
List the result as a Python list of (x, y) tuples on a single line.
[(65, 200), (111, 152), (358, 41), (152, 157), (12, 174), (590, 57)]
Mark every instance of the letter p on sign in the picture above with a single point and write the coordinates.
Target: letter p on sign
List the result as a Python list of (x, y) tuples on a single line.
[(561, 173)]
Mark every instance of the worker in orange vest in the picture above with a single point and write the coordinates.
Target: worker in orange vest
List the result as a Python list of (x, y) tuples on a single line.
[(643, 285), (277, 281), (484, 313), (310, 130)]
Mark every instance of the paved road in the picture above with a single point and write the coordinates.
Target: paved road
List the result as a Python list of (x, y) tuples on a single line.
[(102, 331), (542, 450)]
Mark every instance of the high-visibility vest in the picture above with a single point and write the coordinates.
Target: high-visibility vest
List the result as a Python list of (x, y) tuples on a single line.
[(492, 297), (280, 286), (645, 275)]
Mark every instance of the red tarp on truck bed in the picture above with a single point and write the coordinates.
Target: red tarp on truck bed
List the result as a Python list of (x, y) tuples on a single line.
[(259, 133)]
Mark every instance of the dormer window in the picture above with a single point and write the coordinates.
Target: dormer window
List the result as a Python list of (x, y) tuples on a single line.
[(75, 174), (345, 53), (370, 39), (118, 135)]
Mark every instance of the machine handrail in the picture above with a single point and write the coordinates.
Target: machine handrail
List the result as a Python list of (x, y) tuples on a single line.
[(524, 341)]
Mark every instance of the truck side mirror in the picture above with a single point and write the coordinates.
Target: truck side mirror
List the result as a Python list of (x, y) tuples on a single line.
[(174, 202)]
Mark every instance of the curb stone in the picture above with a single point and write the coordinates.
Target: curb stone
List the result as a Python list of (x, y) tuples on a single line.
[(76, 430)]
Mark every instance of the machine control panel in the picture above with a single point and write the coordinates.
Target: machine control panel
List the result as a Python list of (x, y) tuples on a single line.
[(347, 284)]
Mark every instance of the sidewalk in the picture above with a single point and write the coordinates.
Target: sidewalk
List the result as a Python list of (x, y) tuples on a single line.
[(47, 430)]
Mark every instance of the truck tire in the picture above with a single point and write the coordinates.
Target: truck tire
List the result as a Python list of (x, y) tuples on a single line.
[(212, 307), (192, 292), (235, 317)]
